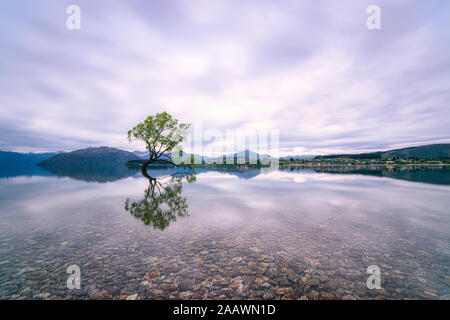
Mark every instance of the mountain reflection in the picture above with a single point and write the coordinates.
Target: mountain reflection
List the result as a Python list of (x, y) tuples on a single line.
[(163, 202), (111, 172), (92, 172)]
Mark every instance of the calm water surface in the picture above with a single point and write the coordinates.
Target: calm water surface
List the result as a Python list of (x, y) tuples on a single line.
[(285, 234)]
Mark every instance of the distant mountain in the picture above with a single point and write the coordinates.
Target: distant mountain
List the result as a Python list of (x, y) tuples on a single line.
[(14, 164), (141, 154), (431, 151), (186, 156), (91, 156), (298, 157), (17, 159), (245, 154), (372, 155)]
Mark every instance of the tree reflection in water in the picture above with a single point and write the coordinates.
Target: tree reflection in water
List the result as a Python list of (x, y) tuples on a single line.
[(163, 201)]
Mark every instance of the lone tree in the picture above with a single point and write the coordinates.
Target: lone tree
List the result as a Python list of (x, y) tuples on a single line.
[(161, 134)]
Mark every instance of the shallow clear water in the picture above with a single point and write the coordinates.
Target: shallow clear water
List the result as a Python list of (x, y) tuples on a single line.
[(286, 234)]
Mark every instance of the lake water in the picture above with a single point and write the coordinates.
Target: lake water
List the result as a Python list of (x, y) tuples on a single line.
[(262, 234)]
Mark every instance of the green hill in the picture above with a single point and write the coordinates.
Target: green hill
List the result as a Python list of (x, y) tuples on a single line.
[(431, 151), (428, 152), (91, 157)]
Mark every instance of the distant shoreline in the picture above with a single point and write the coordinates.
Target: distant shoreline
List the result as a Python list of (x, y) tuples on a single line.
[(367, 165)]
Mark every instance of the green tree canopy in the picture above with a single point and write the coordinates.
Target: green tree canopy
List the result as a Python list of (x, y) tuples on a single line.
[(161, 134)]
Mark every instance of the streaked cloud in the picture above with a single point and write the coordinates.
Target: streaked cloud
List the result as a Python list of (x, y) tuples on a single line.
[(310, 69)]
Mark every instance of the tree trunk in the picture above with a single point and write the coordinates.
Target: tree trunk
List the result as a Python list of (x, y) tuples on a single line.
[(144, 168)]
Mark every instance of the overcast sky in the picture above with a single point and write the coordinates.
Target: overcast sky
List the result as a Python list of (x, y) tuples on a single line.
[(310, 69)]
